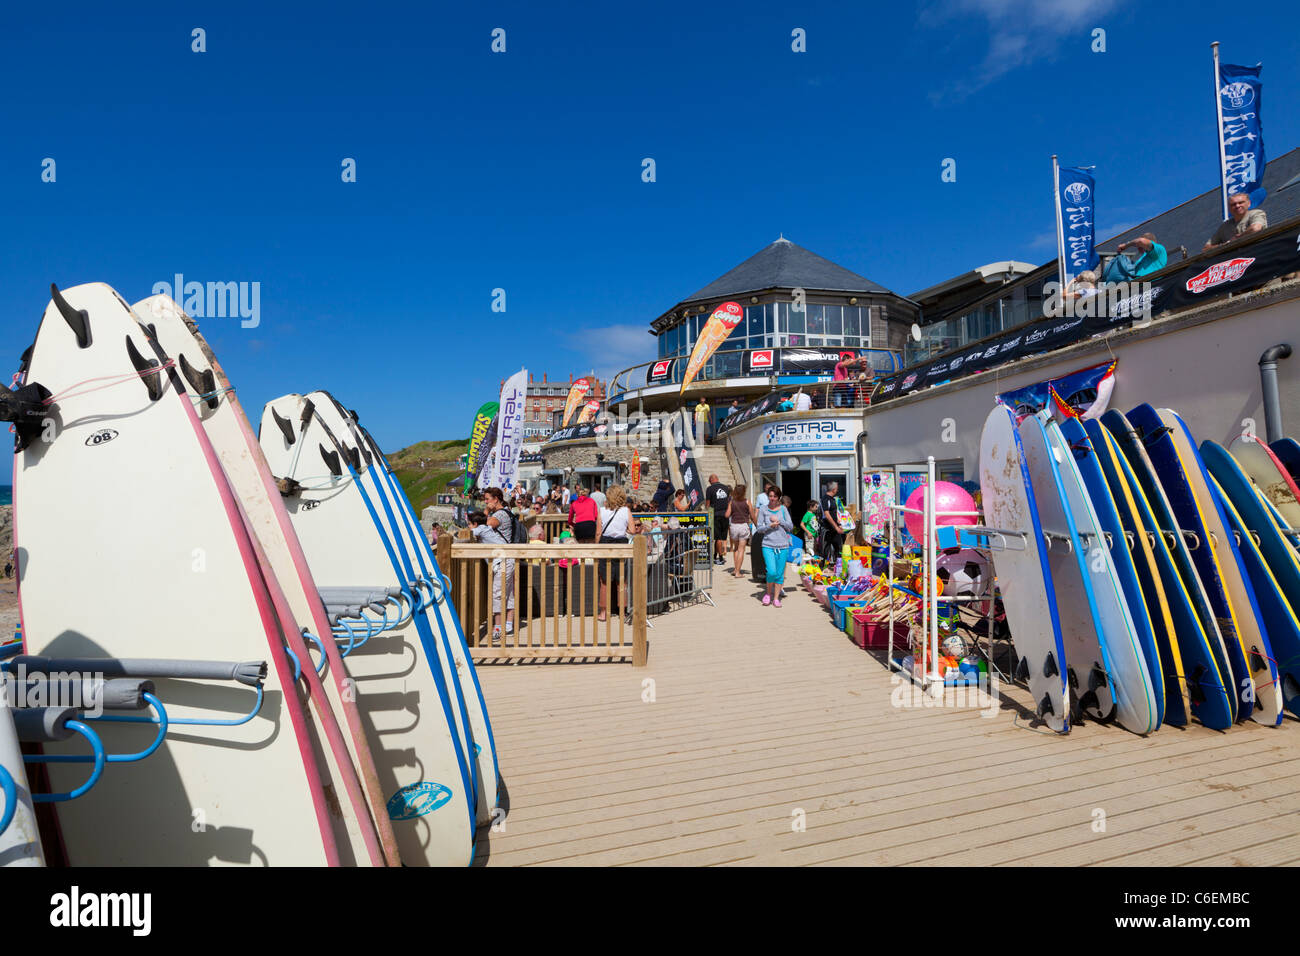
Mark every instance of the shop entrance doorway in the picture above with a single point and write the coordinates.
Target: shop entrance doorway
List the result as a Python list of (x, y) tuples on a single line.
[(798, 485)]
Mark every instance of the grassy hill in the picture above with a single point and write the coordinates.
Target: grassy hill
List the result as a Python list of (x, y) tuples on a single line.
[(425, 468)]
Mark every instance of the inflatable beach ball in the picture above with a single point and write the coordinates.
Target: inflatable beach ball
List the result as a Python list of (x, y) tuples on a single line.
[(950, 501), (964, 572)]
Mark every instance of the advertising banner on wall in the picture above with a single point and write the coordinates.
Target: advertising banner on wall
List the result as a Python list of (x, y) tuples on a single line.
[(824, 435), (659, 372), (1231, 272)]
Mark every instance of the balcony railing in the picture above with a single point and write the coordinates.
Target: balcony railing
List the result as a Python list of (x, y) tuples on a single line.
[(736, 363)]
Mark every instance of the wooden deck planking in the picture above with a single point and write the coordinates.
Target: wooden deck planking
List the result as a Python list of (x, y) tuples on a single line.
[(759, 711)]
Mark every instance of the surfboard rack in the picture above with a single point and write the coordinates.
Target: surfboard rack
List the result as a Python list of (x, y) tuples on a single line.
[(943, 537)]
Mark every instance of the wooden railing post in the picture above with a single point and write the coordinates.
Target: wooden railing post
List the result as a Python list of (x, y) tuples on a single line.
[(641, 579)]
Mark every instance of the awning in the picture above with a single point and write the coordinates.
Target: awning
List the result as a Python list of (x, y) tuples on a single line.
[(552, 472), (596, 470)]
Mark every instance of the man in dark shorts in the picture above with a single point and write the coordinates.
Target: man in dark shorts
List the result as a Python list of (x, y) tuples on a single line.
[(719, 495), (832, 534)]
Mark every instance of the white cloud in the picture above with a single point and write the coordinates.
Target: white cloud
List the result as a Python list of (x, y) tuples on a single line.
[(1020, 32), (613, 348)]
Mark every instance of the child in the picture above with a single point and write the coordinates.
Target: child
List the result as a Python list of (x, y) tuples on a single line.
[(809, 524)]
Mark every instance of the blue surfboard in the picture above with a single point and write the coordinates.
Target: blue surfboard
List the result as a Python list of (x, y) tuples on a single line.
[(1173, 617), (1103, 503), (1204, 660), (1088, 673), (1274, 556), (1159, 444)]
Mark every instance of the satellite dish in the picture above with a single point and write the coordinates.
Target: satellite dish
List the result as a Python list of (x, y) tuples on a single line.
[(916, 332)]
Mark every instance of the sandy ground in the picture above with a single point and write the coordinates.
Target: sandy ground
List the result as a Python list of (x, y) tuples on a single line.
[(8, 596)]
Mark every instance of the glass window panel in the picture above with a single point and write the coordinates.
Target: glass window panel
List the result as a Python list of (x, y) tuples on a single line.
[(815, 343), (816, 319), (753, 321), (770, 317), (796, 319), (834, 320), (796, 340), (853, 320)]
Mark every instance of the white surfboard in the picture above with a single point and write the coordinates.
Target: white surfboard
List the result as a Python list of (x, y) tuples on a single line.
[(1088, 675), (441, 612), (131, 544), (1023, 575), (1134, 690), (372, 485), (361, 822), (410, 725), (1275, 483)]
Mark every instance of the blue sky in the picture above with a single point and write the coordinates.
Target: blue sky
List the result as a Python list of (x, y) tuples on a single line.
[(522, 170)]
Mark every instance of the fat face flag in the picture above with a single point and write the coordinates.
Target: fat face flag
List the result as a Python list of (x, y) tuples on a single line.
[(478, 447), (1076, 244), (724, 318), (576, 394), (1241, 134), (589, 411), (510, 432)]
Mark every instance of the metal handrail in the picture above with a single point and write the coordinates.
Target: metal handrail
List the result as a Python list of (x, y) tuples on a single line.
[(620, 384)]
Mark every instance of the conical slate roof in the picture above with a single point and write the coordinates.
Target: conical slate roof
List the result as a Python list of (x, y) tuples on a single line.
[(785, 265)]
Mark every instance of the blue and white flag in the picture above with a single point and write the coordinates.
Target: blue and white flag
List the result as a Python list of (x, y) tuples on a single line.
[(1075, 216), (503, 470), (1241, 132)]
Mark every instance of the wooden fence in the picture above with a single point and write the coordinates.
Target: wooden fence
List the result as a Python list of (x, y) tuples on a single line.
[(556, 606)]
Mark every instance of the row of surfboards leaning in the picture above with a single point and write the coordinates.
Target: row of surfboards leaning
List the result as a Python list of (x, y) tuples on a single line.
[(1146, 579), (237, 647)]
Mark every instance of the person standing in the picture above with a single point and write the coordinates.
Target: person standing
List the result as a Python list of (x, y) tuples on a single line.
[(832, 533), (702, 421), (566, 496), (739, 514), (775, 518), (501, 529), (809, 527), (584, 516), (718, 495), (616, 523)]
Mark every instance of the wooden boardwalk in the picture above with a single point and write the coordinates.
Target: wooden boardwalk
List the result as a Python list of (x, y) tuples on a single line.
[(759, 718)]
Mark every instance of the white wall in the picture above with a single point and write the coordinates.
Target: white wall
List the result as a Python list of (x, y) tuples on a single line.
[(1207, 371)]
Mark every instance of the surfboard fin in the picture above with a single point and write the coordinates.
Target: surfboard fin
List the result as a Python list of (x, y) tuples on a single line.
[(1194, 689), (204, 383), (354, 456), (286, 429), (1045, 706), (149, 370), (1022, 669), (1049, 666), (78, 319), (308, 409), (26, 408), (1257, 662), (288, 487), (331, 461)]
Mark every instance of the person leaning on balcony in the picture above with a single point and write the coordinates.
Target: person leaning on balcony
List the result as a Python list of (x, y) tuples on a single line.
[(1241, 221), (1151, 258), (802, 401)]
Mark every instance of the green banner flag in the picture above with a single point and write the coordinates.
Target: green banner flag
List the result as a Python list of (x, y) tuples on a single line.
[(479, 446)]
